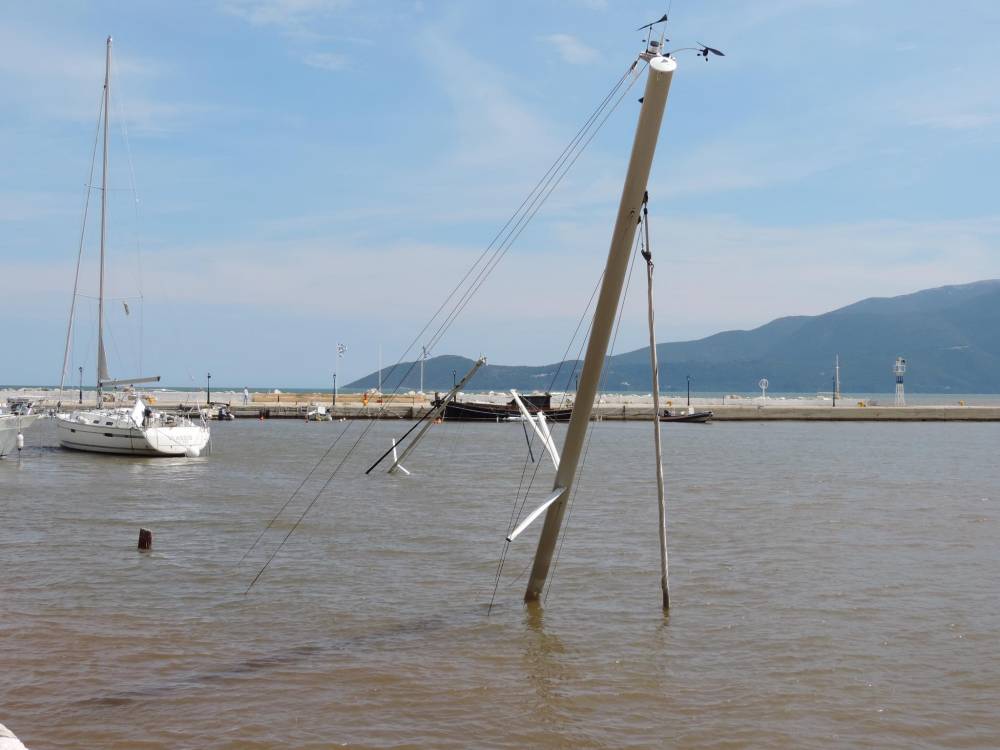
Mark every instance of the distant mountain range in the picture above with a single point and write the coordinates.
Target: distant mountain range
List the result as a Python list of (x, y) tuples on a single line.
[(950, 337)]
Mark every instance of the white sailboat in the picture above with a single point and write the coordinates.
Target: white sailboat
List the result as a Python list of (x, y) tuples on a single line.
[(133, 429)]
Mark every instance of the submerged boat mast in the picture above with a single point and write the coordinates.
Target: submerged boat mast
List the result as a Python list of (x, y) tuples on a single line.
[(661, 70)]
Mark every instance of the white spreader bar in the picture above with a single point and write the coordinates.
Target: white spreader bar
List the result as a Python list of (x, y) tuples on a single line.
[(556, 494), (395, 461), (540, 427)]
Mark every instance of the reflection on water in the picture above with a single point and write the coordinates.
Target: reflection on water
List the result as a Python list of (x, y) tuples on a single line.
[(832, 585)]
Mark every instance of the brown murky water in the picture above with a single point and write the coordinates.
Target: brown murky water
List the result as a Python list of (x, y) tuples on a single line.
[(833, 585)]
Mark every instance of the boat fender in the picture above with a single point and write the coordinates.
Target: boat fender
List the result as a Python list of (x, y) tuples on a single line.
[(20, 441), (192, 452)]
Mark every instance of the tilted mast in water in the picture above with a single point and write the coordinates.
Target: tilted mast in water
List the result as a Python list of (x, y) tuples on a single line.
[(661, 70)]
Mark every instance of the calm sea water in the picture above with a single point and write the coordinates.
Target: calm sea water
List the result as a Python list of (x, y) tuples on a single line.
[(833, 585)]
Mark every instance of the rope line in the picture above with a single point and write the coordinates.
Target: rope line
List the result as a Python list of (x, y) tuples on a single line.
[(79, 254), (536, 198), (292, 496), (546, 177), (578, 479)]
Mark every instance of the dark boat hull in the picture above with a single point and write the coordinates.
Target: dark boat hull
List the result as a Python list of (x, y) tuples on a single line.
[(465, 411), (698, 417)]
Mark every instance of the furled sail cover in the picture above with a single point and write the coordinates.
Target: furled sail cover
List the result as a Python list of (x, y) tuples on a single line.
[(102, 363), (137, 411)]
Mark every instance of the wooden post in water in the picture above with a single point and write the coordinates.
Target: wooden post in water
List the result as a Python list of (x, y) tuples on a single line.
[(145, 540), (654, 101)]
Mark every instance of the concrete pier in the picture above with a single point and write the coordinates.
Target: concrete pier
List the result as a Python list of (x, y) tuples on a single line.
[(611, 407)]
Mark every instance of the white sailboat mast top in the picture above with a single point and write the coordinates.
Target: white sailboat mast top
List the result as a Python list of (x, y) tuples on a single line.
[(102, 361)]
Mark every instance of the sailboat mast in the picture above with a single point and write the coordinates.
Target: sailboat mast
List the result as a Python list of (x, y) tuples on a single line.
[(102, 361), (654, 102)]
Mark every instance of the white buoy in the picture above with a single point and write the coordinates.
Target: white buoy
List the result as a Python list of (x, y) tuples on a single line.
[(20, 441)]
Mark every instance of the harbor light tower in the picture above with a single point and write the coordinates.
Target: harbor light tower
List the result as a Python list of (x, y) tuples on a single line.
[(898, 369)]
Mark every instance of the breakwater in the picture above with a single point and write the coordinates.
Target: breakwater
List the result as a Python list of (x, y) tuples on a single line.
[(609, 407), (630, 413)]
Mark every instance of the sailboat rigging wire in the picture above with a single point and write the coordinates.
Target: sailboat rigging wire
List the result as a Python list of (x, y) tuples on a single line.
[(583, 342), (527, 439), (292, 496), (578, 479), (79, 254), (521, 225), (519, 501), (604, 376), (398, 442), (490, 264), (135, 202), (539, 186)]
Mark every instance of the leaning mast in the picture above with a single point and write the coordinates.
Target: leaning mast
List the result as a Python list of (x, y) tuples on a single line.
[(661, 70)]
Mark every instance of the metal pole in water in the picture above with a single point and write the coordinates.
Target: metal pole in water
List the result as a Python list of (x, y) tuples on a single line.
[(661, 70), (660, 495)]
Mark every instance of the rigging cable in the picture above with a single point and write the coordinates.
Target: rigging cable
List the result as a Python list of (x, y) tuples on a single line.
[(548, 182), (135, 204), (590, 432), (530, 200), (500, 252), (292, 496), (520, 502), (79, 254)]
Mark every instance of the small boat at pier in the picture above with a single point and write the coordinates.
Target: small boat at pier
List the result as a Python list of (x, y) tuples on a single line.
[(697, 417), (482, 411)]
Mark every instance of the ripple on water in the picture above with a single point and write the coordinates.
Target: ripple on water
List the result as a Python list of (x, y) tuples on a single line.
[(822, 598)]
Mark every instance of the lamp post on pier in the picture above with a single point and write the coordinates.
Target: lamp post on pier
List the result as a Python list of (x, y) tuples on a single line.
[(81, 384), (689, 390), (208, 395), (333, 401)]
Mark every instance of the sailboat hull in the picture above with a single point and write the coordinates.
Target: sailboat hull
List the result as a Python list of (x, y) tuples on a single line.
[(83, 434)]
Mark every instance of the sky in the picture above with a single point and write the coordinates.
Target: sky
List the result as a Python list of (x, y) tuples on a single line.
[(314, 172)]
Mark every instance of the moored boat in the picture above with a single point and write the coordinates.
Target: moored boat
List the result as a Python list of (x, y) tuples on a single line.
[(138, 431), (481, 411), (698, 417), (126, 429)]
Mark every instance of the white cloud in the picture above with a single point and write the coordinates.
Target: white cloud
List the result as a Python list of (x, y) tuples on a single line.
[(281, 12), (326, 60), (493, 126), (959, 120), (571, 49)]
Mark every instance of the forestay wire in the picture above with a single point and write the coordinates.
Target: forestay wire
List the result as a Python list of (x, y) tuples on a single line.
[(519, 499), (486, 262), (79, 253)]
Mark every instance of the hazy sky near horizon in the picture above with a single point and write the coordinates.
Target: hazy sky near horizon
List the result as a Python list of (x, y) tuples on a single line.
[(320, 171)]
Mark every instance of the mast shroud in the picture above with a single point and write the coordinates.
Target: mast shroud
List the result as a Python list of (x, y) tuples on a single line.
[(661, 70)]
